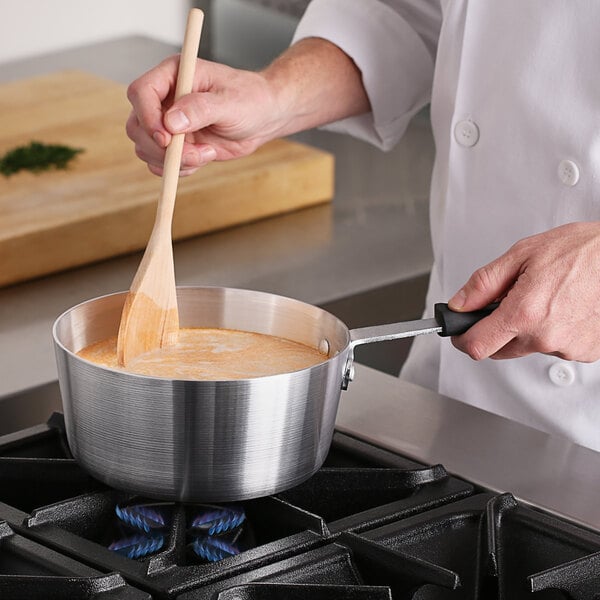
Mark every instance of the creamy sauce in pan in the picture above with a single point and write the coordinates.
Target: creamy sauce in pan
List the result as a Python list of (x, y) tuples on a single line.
[(212, 354)]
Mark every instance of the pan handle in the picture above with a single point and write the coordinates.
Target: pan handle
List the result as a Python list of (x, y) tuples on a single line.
[(392, 331), (382, 333), (446, 323)]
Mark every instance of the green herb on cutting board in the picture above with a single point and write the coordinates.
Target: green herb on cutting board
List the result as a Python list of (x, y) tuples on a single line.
[(37, 157)]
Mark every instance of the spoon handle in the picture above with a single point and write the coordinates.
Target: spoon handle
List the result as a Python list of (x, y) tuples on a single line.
[(185, 80)]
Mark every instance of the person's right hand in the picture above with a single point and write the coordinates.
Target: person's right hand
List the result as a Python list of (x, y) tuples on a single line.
[(231, 112)]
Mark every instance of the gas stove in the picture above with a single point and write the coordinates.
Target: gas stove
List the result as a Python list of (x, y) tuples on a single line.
[(370, 524)]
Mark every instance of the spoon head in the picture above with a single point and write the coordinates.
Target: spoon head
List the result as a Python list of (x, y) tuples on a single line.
[(150, 317)]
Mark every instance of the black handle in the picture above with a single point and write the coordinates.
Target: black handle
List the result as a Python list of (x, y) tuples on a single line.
[(456, 323)]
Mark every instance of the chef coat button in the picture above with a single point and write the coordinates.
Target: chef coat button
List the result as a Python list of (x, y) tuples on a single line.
[(568, 172), (561, 374), (466, 133)]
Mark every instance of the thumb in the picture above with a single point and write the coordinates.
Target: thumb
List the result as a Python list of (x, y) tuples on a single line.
[(192, 112), (486, 285), (176, 120)]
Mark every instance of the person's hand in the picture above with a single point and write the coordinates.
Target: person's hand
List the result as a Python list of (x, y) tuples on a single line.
[(550, 289), (231, 112)]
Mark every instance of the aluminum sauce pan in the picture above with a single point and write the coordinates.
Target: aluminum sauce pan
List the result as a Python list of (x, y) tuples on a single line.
[(197, 441)]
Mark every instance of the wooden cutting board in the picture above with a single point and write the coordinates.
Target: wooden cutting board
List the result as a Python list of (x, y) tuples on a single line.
[(104, 204)]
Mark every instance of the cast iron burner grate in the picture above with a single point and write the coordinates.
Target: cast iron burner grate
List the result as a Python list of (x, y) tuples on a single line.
[(30, 571), (362, 486), (501, 549), (370, 525), (484, 547)]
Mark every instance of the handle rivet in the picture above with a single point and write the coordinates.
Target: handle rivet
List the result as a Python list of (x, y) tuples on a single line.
[(324, 347)]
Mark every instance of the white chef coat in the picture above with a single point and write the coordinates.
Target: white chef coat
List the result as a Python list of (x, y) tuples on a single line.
[(515, 109)]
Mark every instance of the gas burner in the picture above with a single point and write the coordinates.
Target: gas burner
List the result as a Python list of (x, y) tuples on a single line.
[(214, 532), (216, 548), (138, 545), (143, 517), (142, 528), (213, 520), (370, 524)]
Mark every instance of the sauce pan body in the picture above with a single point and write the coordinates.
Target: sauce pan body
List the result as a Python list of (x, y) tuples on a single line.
[(198, 441)]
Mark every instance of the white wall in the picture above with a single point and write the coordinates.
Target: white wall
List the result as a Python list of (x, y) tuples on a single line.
[(244, 33), (30, 27)]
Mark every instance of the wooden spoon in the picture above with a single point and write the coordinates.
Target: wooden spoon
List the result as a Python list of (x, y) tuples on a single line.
[(150, 317)]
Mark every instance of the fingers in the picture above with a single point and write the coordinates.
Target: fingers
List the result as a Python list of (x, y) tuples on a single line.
[(219, 118), (496, 334), (549, 288), (193, 157), (487, 284), (490, 336), (582, 349), (151, 129), (190, 113), (148, 95), (151, 97), (155, 170)]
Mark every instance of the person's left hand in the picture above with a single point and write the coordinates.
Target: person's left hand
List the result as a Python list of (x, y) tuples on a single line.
[(550, 289)]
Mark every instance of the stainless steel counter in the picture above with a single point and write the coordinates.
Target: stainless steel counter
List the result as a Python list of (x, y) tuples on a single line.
[(488, 450), (374, 233)]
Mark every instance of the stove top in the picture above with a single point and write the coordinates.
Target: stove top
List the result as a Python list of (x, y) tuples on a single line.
[(370, 524)]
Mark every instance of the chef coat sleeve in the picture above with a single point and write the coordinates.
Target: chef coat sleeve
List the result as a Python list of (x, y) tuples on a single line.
[(393, 43)]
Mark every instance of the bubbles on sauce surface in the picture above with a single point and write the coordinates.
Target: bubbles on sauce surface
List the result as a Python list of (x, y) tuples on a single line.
[(212, 354)]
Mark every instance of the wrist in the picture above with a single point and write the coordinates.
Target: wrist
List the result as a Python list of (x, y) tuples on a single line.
[(313, 83)]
